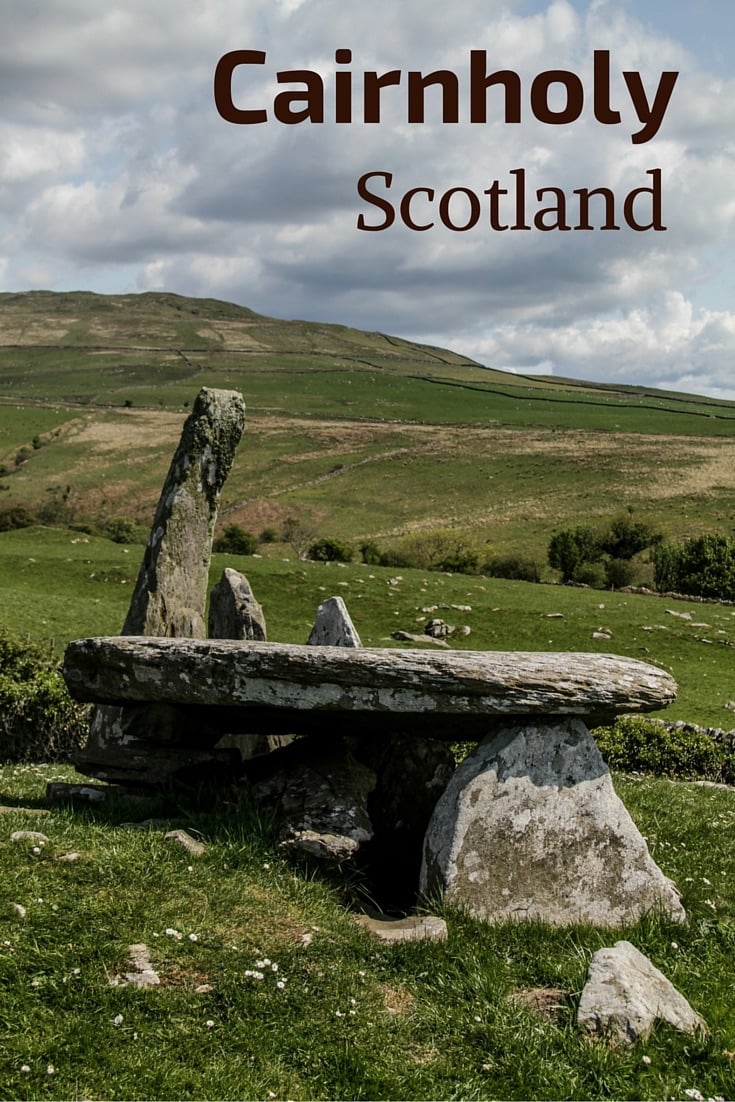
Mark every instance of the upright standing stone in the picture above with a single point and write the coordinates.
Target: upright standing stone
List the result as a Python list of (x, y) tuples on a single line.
[(233, 611), (333, 626), (529, 827), (171, 591)]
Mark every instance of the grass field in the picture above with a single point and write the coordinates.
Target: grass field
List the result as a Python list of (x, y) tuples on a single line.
[(351, 1018), (58, 584)]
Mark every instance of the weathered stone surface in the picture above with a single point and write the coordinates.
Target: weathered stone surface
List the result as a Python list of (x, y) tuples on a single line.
[(530, 827), (32, 837), (438, 629), (234, 612), (149, 765), (35, 811), (58, 791), (268, 678), (414, 928), (625, 994), (333, 626), (320, 791), (411, 637), (182, 838), (171, 591), (170, 594), (142, 972)]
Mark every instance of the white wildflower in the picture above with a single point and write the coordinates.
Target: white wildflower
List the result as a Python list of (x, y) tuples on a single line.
[(209, 1023), (193, 937), (646, 1060), (50, 1070), (36, 850), (25, 1069), (118, 1019), (694, 1094), (274, 968), (281, 984), (170, 932)]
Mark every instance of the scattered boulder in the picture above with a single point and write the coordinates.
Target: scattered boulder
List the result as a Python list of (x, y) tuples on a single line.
[(414, 928), (234, 612), (182, 838), (529, 827), (36, 811), (625, 994), (32, 837), (333, 626), (438, 629)]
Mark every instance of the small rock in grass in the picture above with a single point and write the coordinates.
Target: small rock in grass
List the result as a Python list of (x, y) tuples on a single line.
[(24, 810), (203, 989), (69, 857), (625, 994), (17, 910), (183, 838), (414, 928), (142, 974), (33, 836)]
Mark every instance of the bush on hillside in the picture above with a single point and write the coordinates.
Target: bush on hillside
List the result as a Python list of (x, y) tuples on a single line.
[(619, 573), (16, 516), (570, 548), (635, 744), (235, 540), (38, 719), (446, 549), (122, 530), (514, 568), (700, 567), (329, 550), (624, 537)]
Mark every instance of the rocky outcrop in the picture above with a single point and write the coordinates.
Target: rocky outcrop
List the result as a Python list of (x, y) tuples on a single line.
[(624, 996), (530, 828)]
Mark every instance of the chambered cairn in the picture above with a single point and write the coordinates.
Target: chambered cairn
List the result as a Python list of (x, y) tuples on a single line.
[(351, 746)]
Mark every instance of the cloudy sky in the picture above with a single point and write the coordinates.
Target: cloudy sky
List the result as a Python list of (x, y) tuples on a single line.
[(119, 175)]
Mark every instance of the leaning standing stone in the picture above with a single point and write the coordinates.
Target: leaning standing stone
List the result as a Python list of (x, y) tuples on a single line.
[(529, 827), (171, 590), (233, 611)]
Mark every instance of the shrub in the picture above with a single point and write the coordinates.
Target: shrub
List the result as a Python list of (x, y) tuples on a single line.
[(269, 535), (445, 549), (329, 550), (572, 547), (371, 553), (619, 572), (122, 530), (624, 537), (513, 567), (236, 540), (591, 574), (16, 516), (701, 567), (38, 719), (636, 744)]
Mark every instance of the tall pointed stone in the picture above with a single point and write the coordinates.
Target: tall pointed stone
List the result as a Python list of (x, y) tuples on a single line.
[(171, 591), (333, 626), (234, 612)]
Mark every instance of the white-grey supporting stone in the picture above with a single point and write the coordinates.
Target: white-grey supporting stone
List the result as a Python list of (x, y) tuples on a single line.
[(333, 626), (413, 928), (530, 827), (233, 611), (625, 994)]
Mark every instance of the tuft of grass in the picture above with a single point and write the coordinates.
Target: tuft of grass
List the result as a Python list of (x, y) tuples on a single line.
[(352, 1018)]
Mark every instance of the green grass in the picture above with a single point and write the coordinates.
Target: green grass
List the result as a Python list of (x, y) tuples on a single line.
[(355, 1019), (58, 584)]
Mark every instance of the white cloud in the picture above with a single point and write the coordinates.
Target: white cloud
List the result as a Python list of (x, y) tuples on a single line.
[(116, 157)]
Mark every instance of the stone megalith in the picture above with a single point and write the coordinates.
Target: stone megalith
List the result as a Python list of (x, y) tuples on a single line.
[(529, 827), (234, 612), (171, 591), (624, 996), (333, 626)]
